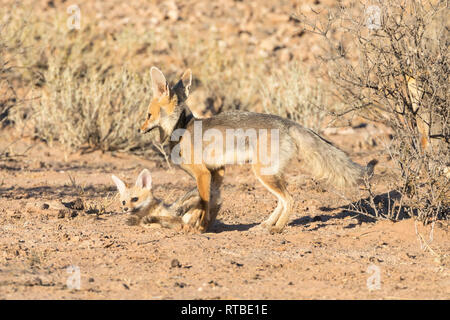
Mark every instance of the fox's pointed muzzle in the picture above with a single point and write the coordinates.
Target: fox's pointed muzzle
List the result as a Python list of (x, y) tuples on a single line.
[(146, 130)]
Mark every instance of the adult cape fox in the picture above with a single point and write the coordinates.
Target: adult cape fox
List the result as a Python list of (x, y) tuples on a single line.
[(168, 113), (144, 208)]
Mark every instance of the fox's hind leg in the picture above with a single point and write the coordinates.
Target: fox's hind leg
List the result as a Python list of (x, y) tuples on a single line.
[(274, 215), (285, 214), (275, 184)]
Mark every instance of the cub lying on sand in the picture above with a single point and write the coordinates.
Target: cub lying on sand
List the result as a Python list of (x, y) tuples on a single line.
[(138, 201)]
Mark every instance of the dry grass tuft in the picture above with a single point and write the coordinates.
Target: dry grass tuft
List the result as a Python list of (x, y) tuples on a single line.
[(396, 73), (93, 88)]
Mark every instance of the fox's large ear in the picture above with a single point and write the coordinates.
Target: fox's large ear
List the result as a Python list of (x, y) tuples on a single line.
[(186, 78), (144, 180), (160, 86), (120, 184)]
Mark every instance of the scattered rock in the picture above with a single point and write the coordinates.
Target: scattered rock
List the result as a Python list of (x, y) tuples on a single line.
[(411, 256), (237, 264), (373, 259), (45, 206), (257, 277), (78, 204), (62, 213), (73, 214), (180, 284), (35, 282), (318, 244), (214, 283), (108, 245), (175, 263), (92, 211)]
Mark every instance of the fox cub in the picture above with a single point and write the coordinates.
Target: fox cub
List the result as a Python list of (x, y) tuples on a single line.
[(138, 201)]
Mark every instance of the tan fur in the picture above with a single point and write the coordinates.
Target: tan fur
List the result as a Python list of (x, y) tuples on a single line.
[(145, 209), (322, 160), (318, 157)]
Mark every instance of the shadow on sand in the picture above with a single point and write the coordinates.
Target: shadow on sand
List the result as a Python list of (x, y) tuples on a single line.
[(55, 192), (219, 227), (386, 205)]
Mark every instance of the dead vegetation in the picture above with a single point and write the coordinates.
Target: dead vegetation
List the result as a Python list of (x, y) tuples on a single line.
[(89, 87), (64, 91), (92, 93), (9, 46), (389, 62)]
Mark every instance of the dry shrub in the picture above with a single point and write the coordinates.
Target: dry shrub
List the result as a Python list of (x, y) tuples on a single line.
[(10, 48), (93, 83), (396, 73), (291, 93), (94, 111), (89, 98), (229, 81), (225, 78)]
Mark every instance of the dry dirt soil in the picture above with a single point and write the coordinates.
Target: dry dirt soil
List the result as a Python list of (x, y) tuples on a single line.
[(326, 252), (47, 237)]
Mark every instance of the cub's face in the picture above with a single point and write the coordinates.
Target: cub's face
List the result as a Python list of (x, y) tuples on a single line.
[(137, 198)]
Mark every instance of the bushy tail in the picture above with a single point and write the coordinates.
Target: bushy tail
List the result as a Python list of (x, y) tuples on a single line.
[(323, 160)]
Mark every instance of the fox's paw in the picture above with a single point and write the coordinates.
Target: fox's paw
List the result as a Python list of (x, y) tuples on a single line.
[(187, 229), (266, 225), (202, 229), (275, 229), (195, 219), (148, 223), (132, 221), (204, 223)]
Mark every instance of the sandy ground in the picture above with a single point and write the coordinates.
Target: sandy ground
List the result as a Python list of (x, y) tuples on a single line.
[(325, 252), (48, 240)]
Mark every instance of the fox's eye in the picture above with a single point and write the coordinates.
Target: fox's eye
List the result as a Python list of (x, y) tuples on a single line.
[(123, 202), (149, 115), (134, 199)]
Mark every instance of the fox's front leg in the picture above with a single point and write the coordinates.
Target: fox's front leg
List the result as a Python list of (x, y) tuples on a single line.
[(204, 190), (132, 221), (203, 179)]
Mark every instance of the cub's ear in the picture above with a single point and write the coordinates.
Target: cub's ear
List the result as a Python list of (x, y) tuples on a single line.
[(160, 86), (119, 184), (186, 79), (144, 180)]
